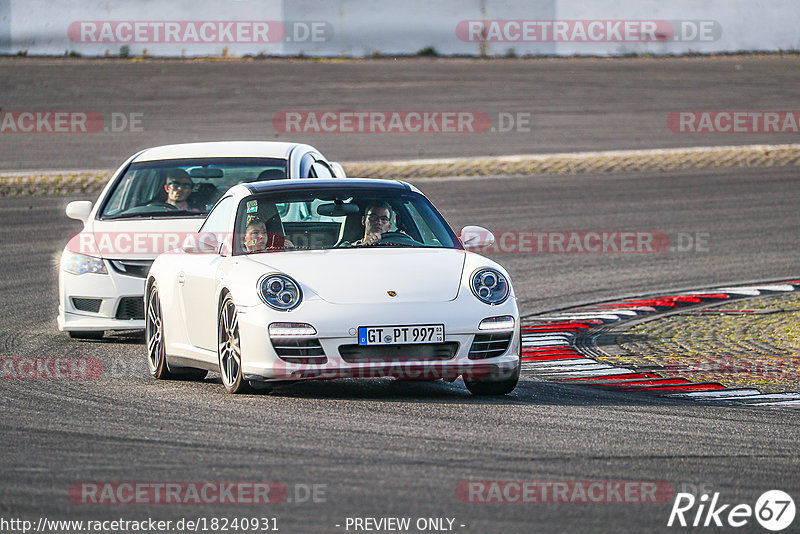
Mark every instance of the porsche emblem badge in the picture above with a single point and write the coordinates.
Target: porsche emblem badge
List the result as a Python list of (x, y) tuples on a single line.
[(392, 293)]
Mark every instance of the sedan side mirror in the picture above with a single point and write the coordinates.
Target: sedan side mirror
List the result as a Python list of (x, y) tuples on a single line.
[(338, 169), (476, 237), (79, 210)]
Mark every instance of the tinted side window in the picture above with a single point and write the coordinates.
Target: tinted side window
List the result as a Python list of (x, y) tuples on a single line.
[(218, 221), (305, 166), (320, 169)]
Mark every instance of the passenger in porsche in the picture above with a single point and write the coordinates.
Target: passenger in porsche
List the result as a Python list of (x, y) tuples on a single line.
[(258, 239)]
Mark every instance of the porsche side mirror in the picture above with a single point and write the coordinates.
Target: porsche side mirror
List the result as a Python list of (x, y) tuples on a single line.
[(476, 237)]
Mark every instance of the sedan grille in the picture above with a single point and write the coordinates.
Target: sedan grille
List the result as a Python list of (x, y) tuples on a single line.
[(398, 353), (137, 268), (130, 308), (87, 305), (299, 350), (489, 345)]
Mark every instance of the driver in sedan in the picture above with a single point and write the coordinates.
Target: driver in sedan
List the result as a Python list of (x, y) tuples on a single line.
[(179, 187), (377, 220)]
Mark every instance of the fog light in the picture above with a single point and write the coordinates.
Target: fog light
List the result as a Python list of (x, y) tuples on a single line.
[(502, 322), (291, 330)]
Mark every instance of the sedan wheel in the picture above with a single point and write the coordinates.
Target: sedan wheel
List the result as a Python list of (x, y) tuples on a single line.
[(230, 350)]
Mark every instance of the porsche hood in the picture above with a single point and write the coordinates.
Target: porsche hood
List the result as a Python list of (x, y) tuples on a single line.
[(369, 275)]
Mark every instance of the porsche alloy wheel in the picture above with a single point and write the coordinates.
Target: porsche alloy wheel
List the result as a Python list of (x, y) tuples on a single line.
[(229, 349), (154, 333), (156, 349)]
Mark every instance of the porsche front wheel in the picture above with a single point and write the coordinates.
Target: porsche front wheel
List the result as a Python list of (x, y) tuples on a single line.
[(493, 387), (229, 348), (154, 333)]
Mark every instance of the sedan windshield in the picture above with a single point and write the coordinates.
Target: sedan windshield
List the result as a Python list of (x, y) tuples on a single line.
[(183, 187), (339, 218)]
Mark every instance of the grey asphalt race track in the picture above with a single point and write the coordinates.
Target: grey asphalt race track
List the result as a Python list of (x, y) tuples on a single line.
[(388, 448), (574, 104)]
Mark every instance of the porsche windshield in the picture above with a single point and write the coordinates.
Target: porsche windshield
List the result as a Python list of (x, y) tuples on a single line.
[(183, 187), (339, 218)]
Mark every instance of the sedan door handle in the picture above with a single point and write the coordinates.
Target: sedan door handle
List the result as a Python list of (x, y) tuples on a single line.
[(181, 278)]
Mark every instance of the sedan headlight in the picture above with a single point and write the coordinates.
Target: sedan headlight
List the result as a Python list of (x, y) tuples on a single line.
[(490, 286), (279, 291), (79, 264)]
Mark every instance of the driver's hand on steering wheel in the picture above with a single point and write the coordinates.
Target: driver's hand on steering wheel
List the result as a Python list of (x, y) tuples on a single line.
[(369, 239)]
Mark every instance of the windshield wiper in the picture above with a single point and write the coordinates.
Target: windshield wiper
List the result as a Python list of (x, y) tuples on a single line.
[(157, 214)]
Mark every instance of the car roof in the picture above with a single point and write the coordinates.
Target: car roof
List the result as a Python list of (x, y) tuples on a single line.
[(220, 149), (302, 184)]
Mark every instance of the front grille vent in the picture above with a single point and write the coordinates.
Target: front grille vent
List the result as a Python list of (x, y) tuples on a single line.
[(136, 268), (86, 305), (489, 345), (398, 353), (299, 350), (130, 308)]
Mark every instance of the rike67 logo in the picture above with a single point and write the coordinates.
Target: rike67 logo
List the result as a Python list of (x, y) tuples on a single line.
[(774, 510)]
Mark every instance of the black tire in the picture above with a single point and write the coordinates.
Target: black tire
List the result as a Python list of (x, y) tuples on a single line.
[(229, 349), (156, 350), (91, 334), (493, 387)]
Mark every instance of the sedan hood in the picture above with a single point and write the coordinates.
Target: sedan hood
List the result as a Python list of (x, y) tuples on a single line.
[(141, 239), (360, 276)]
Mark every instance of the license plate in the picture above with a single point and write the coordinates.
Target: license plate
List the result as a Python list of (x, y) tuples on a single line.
[(401, 335)]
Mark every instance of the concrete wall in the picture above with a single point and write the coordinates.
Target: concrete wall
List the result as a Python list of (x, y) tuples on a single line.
[(367, 27)]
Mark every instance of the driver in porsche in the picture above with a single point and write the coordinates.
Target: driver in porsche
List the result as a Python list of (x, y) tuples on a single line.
[(377, 220)]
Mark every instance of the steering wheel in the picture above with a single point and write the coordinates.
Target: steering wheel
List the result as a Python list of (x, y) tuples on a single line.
[(397, 238), (162, 205)]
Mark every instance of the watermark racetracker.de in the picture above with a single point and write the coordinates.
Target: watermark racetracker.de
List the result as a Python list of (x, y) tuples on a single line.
[(50, 368), (199, 31), (195, 492), (587, 241), (564, 491), (68, 122), (421, 121), (588, 31), (734, 121), (110, 244)]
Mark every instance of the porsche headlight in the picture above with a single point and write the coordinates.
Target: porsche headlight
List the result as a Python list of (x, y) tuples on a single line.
[(279, 291), (79, 264), (490, 286)]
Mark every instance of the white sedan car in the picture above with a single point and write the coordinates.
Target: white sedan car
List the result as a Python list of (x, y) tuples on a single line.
[(285, 281), (150, 203)]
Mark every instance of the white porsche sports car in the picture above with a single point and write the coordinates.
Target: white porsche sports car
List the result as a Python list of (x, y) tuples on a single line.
[(313, 279), (149, 204)]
